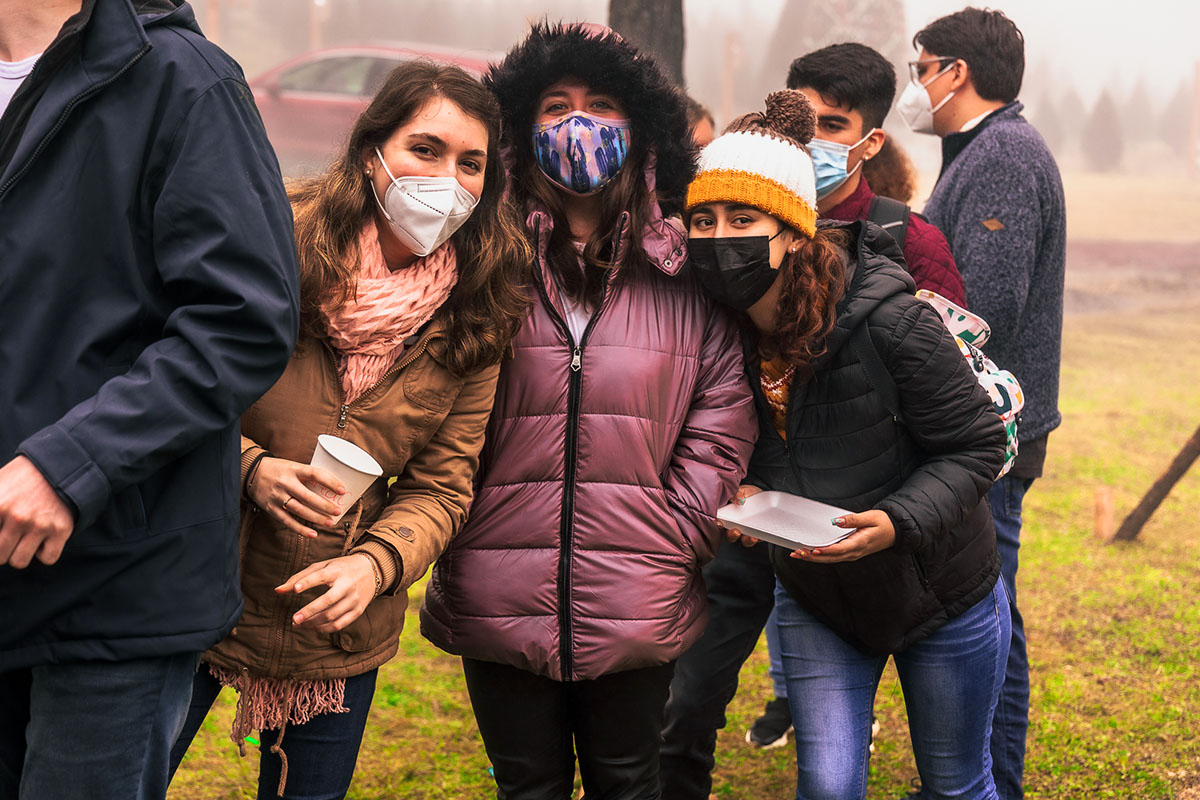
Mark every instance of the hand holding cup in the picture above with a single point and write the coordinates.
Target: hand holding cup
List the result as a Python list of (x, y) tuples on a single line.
[(294, 493)]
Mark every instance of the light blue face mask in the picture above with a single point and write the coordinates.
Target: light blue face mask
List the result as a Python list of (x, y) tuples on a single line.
[(829, 162)]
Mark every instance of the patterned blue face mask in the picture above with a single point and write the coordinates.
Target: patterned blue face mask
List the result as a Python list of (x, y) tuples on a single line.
[(580, 152)]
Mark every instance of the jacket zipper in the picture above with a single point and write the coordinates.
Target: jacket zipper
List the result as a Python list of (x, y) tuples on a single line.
[(570, 462), (344, 411), (66, 112)]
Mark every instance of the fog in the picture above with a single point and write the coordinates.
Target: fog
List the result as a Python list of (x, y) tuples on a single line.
[(1142, 55)]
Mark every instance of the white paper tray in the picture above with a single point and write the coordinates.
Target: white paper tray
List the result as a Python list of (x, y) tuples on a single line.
[(786, 520)]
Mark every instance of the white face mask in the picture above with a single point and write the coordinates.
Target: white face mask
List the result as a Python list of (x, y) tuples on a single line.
[(423, 212), (915, 107)]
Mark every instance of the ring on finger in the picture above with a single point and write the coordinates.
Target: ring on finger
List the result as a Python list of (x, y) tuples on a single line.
[(285, 502)]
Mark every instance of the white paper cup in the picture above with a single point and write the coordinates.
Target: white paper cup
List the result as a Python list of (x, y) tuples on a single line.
[(352, 465)]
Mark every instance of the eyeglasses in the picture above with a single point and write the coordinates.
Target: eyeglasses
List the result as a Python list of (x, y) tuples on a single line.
[(915, 68)]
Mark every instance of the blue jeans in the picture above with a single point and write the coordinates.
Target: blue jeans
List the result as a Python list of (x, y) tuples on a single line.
[(94, 729), (778, 679), (1011, 723), (741, 594), (950, 680), (321, 753)]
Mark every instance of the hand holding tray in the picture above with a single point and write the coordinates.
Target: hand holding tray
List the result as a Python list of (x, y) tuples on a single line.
[(787, 520)]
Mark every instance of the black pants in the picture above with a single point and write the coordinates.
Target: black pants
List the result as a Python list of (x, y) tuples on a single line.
[(741, 594), (528, 723)]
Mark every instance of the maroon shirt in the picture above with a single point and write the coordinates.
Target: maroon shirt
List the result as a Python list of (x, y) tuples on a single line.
[(925, 248)]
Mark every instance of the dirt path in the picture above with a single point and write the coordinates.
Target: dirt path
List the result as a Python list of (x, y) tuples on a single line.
[(1130, 276)]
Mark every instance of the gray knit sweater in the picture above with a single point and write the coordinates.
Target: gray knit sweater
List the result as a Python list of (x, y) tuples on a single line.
[(999, 200)]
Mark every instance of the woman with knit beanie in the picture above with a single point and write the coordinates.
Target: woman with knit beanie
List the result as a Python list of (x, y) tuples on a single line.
[(411, 277), (865, 403), (622, 421)]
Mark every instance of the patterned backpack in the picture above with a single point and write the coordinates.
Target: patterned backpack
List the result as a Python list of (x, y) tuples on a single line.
[(970, 332)]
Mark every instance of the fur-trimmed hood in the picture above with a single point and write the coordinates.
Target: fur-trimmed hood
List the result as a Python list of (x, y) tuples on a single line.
[(606, 62)]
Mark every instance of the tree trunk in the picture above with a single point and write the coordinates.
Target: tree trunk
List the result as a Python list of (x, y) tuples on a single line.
[(654, 26), (1132, 525)]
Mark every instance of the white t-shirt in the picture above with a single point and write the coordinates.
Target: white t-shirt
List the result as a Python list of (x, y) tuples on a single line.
[(578, 314), (12, 75)]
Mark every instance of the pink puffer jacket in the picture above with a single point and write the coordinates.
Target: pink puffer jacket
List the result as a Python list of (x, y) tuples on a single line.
[(602, 468)]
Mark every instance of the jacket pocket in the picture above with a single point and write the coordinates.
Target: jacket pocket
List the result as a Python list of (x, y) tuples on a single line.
[(356, 636), (123, 520), (919, 568), (430, 385)]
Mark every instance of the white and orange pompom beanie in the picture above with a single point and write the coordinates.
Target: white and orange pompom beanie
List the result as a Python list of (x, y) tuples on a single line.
[(761, 160)]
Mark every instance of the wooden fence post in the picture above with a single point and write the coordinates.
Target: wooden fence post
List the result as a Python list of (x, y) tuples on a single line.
[(1137, 518)]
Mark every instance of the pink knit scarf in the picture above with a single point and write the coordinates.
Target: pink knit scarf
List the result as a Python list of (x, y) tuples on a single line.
[(368, 332)]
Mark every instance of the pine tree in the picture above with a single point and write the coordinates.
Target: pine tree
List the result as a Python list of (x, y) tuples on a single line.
[(1046, 119), (1103, 140), (1139, 111), (1174, 125)]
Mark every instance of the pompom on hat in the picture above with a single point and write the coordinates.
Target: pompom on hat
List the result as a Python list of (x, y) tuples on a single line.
[(761, 160)]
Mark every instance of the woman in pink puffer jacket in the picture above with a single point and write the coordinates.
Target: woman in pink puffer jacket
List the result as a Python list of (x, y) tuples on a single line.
[(621, 423)]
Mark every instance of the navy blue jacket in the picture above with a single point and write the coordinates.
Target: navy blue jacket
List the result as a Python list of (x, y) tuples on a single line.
[(148, 294), (999, 201)]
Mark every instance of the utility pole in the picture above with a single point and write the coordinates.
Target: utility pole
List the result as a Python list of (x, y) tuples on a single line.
[(733, 63), (1194, 139), (318, 12), (212, 30)]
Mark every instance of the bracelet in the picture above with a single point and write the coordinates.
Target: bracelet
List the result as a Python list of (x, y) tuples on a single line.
[(376, 572), (250, 472)]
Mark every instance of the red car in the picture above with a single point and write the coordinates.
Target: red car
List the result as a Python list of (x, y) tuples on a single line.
[(309, 103)]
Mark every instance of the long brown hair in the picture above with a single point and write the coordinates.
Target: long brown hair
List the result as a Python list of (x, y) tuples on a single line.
[(814, 280), (487, 305)]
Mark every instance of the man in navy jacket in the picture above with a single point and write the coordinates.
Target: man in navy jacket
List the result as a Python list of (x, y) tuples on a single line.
[(148, 295)]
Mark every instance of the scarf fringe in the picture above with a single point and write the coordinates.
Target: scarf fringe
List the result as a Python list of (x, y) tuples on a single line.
[(271, 703)]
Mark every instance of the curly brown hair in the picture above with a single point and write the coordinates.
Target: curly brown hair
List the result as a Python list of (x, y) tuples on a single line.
[(813, 281), (489, 302)]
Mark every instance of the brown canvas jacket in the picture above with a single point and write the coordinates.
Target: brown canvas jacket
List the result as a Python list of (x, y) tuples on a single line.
[(425, 428)]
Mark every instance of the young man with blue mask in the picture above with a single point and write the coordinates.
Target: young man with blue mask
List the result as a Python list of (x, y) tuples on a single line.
[(851, 87), (999, 199)]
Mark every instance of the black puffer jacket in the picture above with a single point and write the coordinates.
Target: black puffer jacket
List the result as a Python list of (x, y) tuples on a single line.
[(930, 472)]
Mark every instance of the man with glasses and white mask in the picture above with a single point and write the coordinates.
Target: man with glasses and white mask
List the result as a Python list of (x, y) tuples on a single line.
[(999, 200)]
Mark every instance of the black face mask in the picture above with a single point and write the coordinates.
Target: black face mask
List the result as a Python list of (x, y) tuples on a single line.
[(736, 270)]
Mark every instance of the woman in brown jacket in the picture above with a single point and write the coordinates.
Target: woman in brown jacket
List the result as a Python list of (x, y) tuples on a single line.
[(411, 289)]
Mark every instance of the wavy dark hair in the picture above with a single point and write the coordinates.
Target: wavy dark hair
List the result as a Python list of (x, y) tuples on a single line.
[(488, 304), (814, 280)]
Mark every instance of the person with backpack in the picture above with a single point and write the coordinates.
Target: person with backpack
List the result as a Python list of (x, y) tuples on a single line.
[(866, 404), (851, 87), (622, 422)]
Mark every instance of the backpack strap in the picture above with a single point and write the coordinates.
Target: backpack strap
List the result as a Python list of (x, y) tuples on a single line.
[(881, 380), (891, 215)]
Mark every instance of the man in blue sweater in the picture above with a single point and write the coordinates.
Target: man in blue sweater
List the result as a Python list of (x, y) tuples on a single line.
[(999, 200)]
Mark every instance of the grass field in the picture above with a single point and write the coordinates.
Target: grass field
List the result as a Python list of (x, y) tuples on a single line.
[(1114, 630)]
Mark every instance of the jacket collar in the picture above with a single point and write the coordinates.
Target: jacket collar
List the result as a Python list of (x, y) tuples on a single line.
[(856, 206), (93, 49), (955, 143)]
